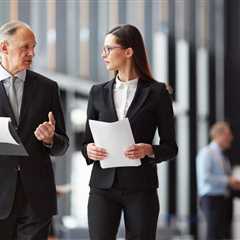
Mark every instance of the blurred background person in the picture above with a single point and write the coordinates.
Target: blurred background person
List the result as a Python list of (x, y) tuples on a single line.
[(215, 182)]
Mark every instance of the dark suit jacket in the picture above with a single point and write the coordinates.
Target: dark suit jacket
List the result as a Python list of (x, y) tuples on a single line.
[(150, 109), (40, 96)]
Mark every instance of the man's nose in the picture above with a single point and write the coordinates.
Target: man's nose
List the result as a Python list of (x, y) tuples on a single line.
[(31, 52)]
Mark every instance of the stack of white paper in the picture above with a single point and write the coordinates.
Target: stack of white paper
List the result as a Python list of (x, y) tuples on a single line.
[(8, 145), (5, 135), (115, 137)]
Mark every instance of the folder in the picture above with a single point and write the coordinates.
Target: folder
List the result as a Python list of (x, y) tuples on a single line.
[(10, 143)]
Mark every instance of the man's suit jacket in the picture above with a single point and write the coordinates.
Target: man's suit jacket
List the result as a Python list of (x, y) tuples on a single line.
[(150, 109), (40, 96)]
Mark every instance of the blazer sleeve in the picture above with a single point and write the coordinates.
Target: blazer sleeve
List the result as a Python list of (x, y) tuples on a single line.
[(60, 140), (93, 115), (167, 148)]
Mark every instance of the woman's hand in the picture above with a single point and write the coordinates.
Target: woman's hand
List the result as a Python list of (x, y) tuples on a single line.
[(96, 153), (139, 150)]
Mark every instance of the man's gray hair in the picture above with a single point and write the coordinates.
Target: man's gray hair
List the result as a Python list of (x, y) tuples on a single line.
[(9, 29), (219, 128)]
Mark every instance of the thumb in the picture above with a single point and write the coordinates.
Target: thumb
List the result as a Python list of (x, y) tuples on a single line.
[(51, 118)]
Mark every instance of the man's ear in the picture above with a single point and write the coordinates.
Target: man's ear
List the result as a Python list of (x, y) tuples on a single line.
[(129, 52), (4, 47)]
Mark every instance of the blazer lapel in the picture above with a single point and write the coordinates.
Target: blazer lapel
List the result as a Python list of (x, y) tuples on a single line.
[(28, 92), (5, 106), (142, 92), (108, 95)]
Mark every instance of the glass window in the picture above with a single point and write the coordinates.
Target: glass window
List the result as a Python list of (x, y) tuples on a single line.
[(51, 34), (84, 39)]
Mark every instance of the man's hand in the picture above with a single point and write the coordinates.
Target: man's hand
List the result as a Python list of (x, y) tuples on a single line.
[(46, 130), (234, 183), (138, 151)]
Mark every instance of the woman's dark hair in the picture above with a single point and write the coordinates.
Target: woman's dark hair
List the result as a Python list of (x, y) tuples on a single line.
[(128, 36)]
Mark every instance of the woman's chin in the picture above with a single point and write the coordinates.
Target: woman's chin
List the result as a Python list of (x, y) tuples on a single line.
[(109, 68)]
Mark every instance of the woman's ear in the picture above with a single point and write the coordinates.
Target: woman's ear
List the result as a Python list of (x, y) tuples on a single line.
[(129, 52)]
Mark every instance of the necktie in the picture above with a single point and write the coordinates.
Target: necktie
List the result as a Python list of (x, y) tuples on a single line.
[(13, 97)]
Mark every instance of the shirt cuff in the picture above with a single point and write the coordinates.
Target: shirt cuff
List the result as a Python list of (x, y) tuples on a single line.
[(48, 145)]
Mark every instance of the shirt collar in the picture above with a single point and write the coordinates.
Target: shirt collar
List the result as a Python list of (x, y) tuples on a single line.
[(216, 147), (4, 74), (131, 83)]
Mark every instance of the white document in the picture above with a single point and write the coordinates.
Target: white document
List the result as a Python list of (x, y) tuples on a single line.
[(5, 135), (115, 137)]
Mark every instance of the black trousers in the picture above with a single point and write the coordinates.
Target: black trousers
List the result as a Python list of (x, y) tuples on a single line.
[(218, 213), (140, 211), (22, 224)]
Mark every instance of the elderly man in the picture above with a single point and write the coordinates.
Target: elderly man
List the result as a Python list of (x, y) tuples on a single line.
[(215, 182), (27, 188)]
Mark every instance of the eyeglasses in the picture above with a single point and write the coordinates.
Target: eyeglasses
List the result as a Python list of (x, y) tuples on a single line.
[(108, 49)]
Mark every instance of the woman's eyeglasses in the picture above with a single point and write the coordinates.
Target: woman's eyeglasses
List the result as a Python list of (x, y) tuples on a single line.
[(108, 49)]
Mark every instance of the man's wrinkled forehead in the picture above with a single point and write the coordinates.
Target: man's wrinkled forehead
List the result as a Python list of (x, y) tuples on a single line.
[(24, 35)]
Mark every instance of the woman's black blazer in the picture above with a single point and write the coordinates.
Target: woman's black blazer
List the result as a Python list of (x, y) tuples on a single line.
[(150, 110)]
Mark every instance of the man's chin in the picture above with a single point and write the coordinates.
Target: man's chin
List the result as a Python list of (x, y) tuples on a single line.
[(27, 65)]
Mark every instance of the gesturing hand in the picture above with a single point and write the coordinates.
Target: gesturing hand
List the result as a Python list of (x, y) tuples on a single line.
[(45, 131), (234, 182), (96, 153), (138, 151)]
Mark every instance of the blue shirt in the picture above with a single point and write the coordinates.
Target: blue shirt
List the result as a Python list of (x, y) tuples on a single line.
[(212, 171)]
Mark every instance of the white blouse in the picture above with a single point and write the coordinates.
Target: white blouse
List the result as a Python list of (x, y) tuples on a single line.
[(123, 94)]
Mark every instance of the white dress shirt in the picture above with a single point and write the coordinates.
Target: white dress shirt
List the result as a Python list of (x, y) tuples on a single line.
[(123, 94), (19, 84)]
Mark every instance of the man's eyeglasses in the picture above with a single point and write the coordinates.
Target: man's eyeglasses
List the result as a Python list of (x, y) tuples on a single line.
[(108, 49)]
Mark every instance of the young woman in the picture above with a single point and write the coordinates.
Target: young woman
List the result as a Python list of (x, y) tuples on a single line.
[(133, 93)]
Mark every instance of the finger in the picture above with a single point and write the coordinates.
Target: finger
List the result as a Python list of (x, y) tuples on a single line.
[(95, 156), (46, 129), (99, 149), (131, 153), (134, 155), (94, 151), (51, 118), (42, 134), (93, 147), (39, 135), (51, 128), (98, 153), (130, 148)]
